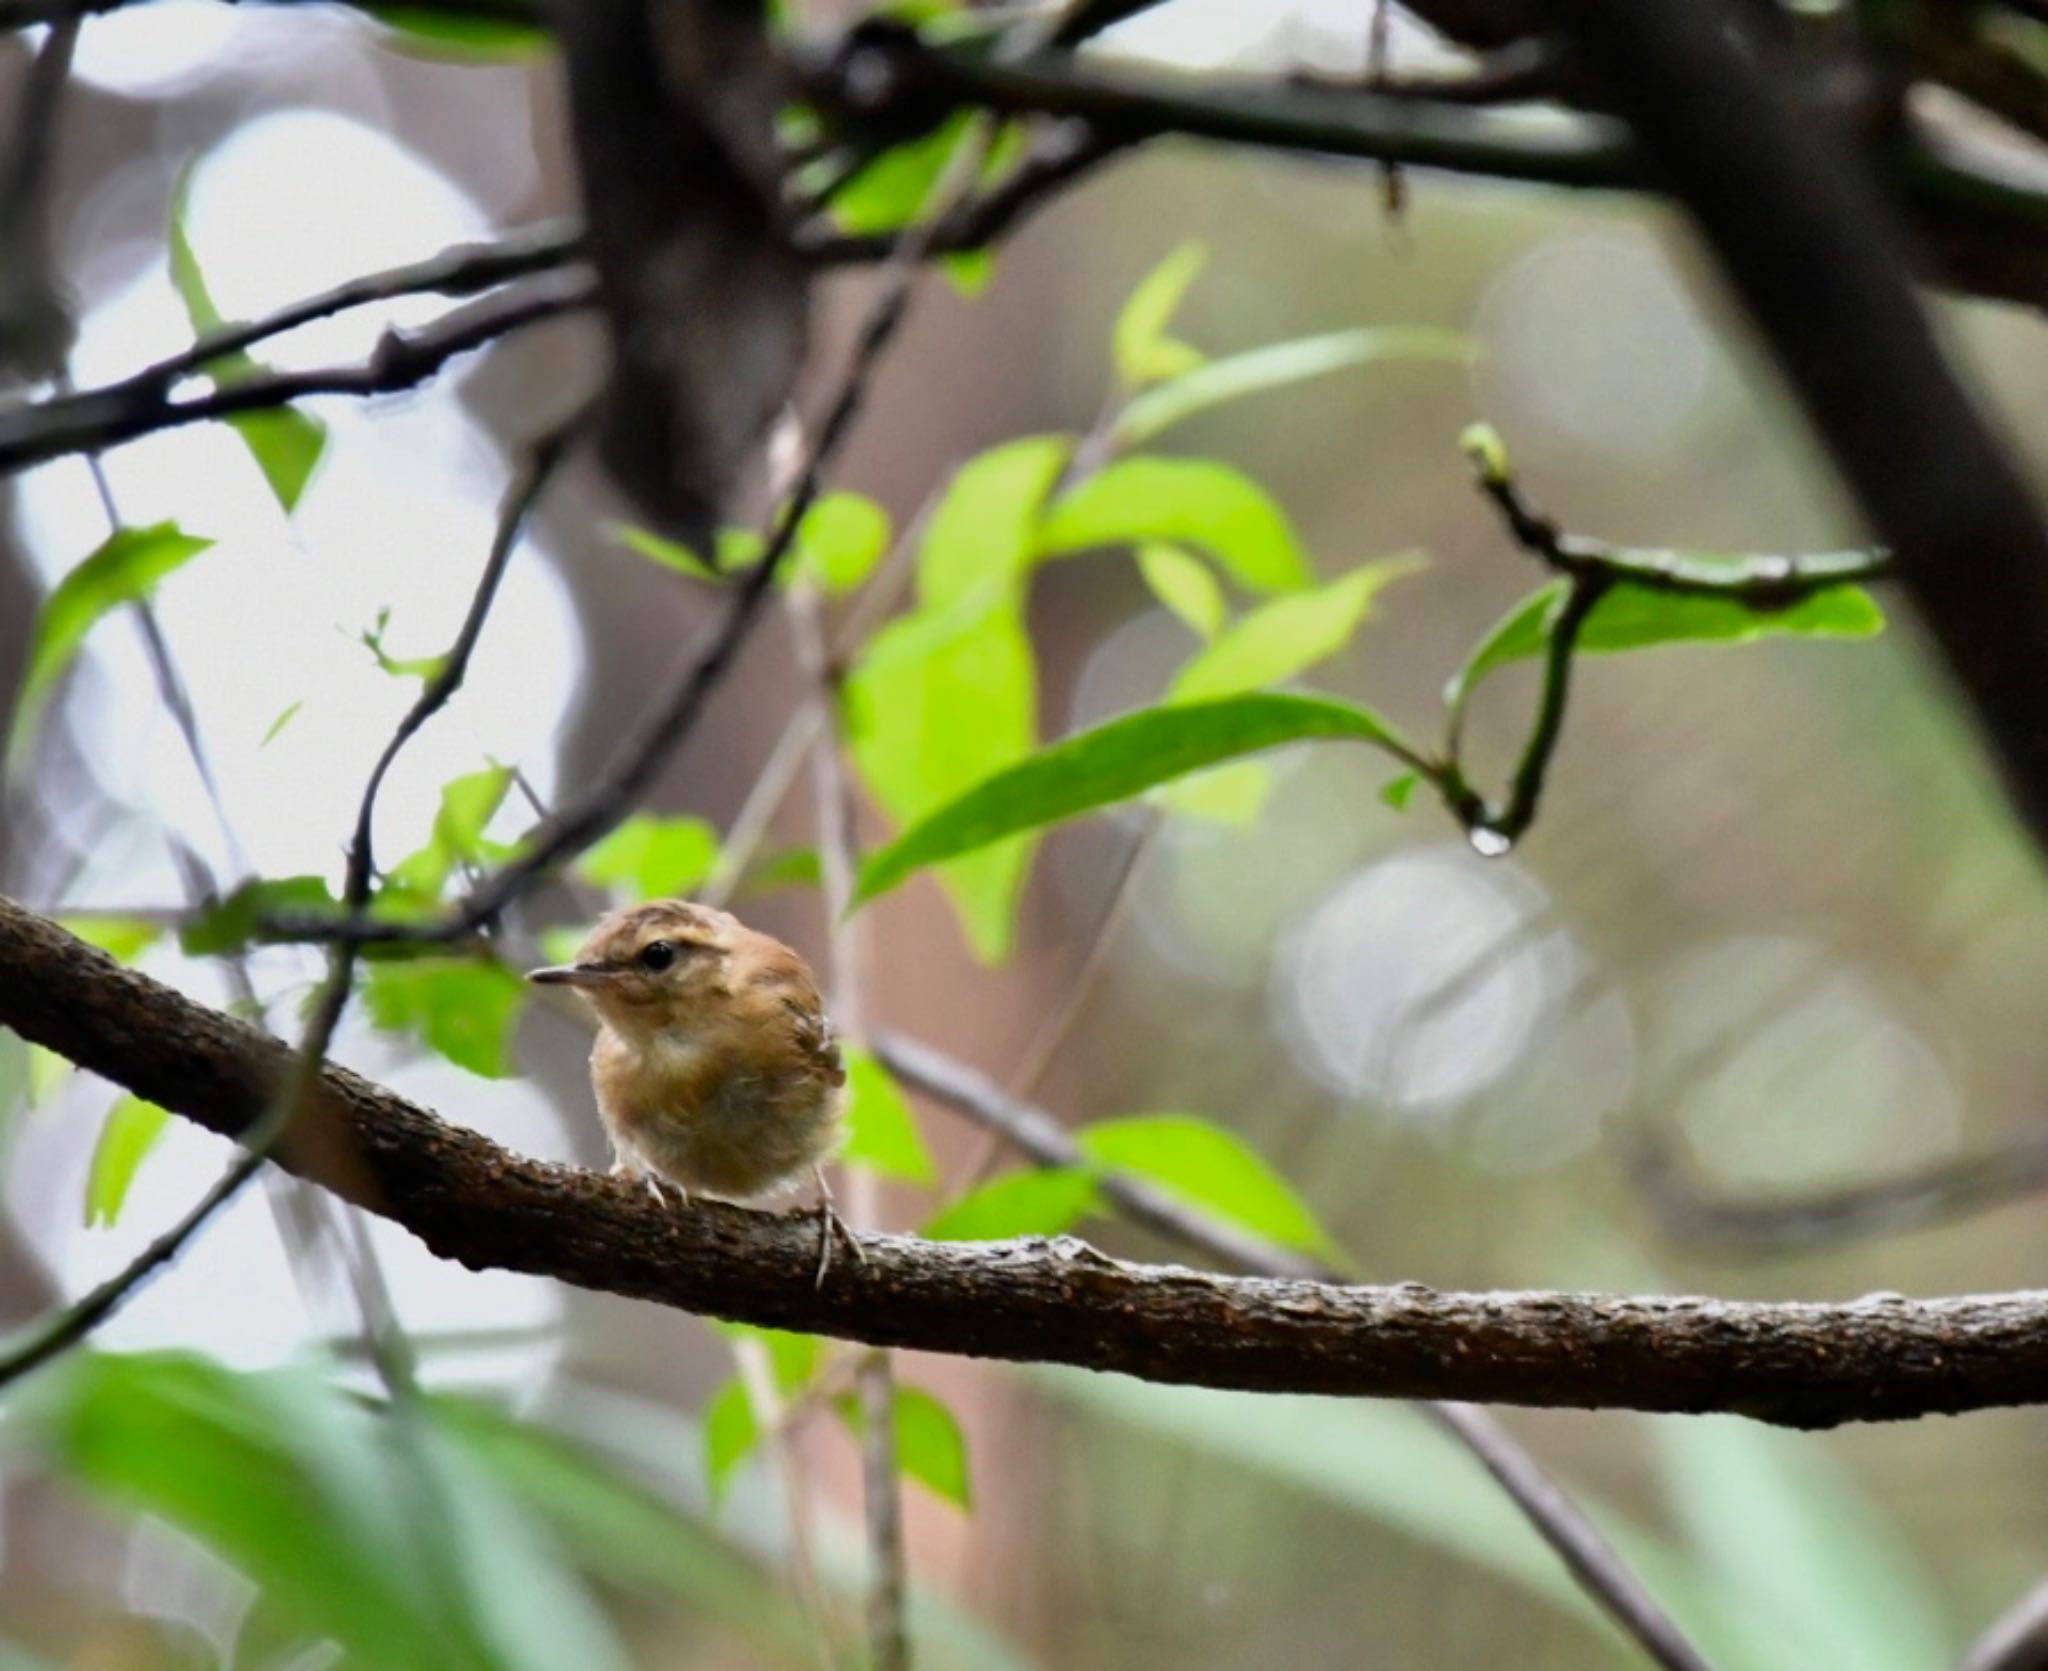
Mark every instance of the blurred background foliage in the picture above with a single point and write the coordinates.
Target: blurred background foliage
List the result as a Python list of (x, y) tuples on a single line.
[(1773, 913)]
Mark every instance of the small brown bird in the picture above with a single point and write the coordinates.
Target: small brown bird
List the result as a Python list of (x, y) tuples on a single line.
[(716, 1069)]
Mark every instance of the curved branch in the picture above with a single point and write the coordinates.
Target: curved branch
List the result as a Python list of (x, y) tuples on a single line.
[(1058, 1301)]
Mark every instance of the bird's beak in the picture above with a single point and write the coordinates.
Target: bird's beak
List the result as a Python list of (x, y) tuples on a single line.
[(571, 974)]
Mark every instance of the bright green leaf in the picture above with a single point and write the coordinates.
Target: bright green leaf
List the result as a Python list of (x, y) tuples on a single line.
[(1183, 583), (1275, 367), (890, 191), (969, 271), (794, 1359), (560, 945), (1189, 501), (461, 1009), (668, 553), (131, 1130), (412, 667), (653, 858), (930, 1448), (882, 1134), (730, 1435), (1044, 1202), (1112, 763), (841, 539), (285, 443), (124, 939), (291, 712), (459, 37), (1209, 1168), (984, 530), (1634, 617), (1289, 635), (232, 923), (468, 804), (1143, 352), (1398, 791), (940, 700), (1232, 795), (124, 569)]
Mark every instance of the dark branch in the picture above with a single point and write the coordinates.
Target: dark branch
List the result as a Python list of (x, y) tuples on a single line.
[(1801, 1364), (104, 417), (1809, 247)]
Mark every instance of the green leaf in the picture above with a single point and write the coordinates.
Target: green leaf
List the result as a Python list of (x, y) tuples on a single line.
[(124, 569), (1275, 367), (461, 1009), (730, 1435), (414, 667), (1210, 1168), (1047, 1201), (468, 804), (930, 1447), (236, 920), (131, 1131), (1398, 791), (285, 443), (653, 858), (668, 553), (841, 539), (1232, 795), (124, 939), (1822, 1576), (1635, 617), (1291, 634), (1183, 583), (1143, 352), (792, 867), (291, 712), (793, 1358), (891, 191), (984, 530), (290, 1483), (1112, 763), (941, 699), (458, 37), (618, 1530), (881, 1132), (1189, 501), (969, 271)]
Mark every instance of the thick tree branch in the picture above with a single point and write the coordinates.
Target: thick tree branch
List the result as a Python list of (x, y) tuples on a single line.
[(1059, 1301)]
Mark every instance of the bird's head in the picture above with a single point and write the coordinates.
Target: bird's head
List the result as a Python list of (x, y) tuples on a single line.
[(647, 966)]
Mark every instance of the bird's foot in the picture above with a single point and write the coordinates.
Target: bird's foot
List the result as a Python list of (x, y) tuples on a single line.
[(667, 1193), (831, 1225)]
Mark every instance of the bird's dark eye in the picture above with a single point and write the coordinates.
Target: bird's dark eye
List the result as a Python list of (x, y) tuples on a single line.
[(657, 955)]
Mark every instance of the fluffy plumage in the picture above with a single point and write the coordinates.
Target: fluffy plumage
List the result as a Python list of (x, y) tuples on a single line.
[(715, 1067)]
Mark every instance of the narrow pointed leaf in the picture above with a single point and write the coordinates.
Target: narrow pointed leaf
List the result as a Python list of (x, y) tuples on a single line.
[(1112, 763)]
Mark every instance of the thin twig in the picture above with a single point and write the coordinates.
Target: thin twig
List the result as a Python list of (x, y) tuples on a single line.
[(105, 417), (591, 814), (1592, 1560), (526, 489)]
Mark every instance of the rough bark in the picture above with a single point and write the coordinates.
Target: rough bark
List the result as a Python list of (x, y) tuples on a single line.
[(1055, 1301)]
